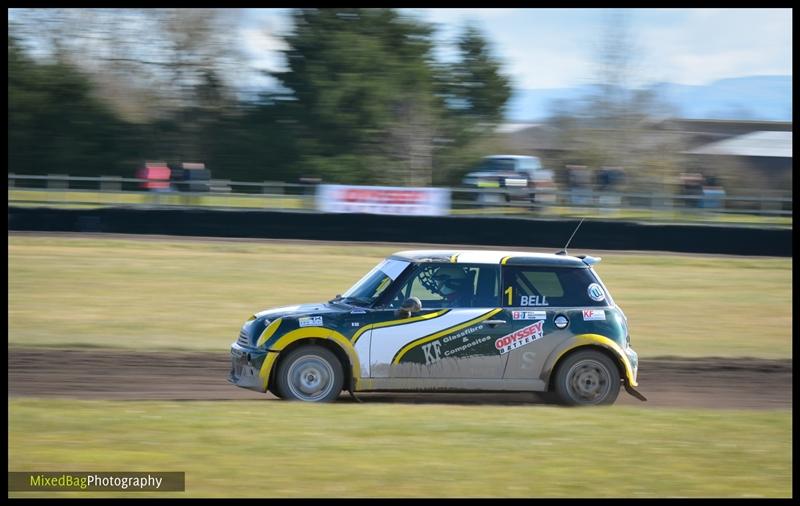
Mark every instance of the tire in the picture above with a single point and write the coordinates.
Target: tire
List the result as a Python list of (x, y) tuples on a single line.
[(587, 378), (310, 374)]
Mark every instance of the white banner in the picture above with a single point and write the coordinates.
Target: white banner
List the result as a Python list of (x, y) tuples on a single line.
[(334, 198)]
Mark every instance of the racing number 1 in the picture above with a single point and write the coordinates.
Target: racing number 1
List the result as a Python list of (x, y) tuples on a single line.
[(509, 291)]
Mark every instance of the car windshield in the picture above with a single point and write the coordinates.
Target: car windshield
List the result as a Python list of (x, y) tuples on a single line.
[(375, 282), (497, 165)]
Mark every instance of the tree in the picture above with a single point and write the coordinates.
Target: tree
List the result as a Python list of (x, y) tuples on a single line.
[(610, 126), (476, 87), (55, 125), (146, 63), (372, 104), (359, 86), (473, 94)]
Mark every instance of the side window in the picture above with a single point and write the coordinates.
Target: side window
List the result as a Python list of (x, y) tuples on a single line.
[(451, 286), (525, 286)]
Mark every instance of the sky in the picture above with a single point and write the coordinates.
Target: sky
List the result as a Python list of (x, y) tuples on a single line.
[(556, 48)]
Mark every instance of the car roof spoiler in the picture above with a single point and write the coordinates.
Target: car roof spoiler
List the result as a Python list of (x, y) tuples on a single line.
[(589, 260)]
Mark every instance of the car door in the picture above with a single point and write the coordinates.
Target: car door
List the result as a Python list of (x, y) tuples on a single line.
[(453, 338), (532, 297)]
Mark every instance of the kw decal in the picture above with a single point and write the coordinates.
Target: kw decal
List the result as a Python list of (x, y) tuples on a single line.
[(593, 314)]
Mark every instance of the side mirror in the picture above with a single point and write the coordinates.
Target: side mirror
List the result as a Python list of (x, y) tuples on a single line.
[(411, 305)]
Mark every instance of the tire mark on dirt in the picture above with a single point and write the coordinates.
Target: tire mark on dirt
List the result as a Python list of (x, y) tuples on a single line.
[(725, 383)]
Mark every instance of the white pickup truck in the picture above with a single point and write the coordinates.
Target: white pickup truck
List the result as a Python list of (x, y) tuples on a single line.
[(505, 178)]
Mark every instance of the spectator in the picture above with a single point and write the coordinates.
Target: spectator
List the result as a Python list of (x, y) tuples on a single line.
[(578, 179), (157, 176), (713, 193), (609, 180), (692, 186)]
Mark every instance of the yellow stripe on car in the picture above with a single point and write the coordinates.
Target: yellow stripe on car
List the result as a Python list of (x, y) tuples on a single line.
[(504, 260), (422, 340), (391, 323), (587, 339), (309, 333), (269, 331)]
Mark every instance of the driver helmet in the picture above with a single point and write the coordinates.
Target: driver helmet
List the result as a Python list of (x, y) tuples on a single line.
[(451, 279)]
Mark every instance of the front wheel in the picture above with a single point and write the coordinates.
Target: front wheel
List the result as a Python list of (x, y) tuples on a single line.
[(587, 378), (310, 374)]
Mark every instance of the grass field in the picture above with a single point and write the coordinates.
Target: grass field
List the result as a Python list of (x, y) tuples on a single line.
[(172, 294), (387, 450)]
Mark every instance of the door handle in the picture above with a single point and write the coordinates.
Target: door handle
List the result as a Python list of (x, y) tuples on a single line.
[(495, 322)]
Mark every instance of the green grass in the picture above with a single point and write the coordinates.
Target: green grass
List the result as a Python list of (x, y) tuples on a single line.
[(194, 295), (277, 449), (92, 199)]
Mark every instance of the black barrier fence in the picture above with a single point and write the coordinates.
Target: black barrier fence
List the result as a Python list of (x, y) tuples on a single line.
[(594, 234)]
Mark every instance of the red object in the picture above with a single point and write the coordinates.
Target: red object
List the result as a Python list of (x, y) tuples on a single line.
[(158, 176)]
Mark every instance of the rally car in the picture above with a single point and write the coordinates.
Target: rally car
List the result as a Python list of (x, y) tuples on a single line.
[(448, 320)]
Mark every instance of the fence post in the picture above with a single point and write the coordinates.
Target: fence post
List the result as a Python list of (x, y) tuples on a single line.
[(668, 206), (11, 180), (55, 181), (110, 183)]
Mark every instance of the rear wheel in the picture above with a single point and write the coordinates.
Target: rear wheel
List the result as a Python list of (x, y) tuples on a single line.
[(309, 373), (587, 378)]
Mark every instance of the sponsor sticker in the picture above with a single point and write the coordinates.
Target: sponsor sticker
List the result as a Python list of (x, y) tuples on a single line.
[(521, 337), (595, 292), (533, 300), (593, 314), (529, 315), (310, 321)]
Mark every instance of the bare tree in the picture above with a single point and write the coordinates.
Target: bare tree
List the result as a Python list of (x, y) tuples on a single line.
[(614, 125), (145, 62)]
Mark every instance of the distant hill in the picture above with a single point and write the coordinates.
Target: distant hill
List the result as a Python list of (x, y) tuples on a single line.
[(767, 98)]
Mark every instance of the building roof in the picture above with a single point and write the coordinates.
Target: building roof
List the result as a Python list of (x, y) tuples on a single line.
[(491, 257), (761, 143), (514, 157), (510, 128)]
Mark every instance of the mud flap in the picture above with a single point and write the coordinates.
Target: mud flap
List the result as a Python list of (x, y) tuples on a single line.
[(634, 393)]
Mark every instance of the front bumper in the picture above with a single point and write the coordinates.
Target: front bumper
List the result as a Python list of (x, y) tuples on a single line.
[(633, 359), (246, 367)]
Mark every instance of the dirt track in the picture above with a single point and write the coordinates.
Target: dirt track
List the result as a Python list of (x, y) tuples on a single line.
[(101, 374)]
